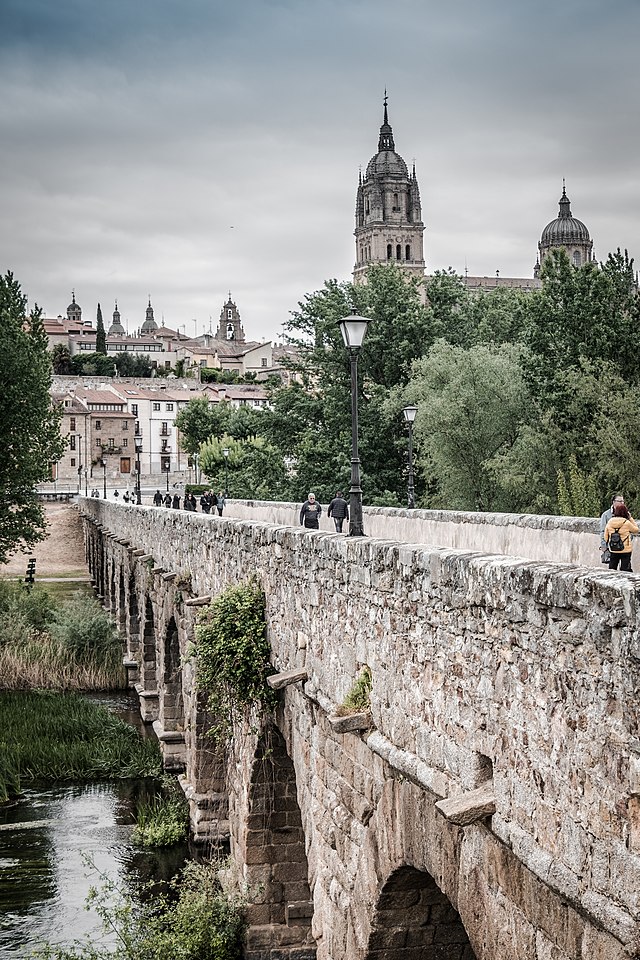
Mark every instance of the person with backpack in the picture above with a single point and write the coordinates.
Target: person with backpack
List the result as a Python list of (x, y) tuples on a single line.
[(604, 520), (617, 536)]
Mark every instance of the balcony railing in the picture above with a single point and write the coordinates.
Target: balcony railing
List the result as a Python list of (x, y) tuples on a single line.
[(107, 448)]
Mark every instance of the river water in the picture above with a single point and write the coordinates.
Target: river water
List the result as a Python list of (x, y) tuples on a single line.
[(45, 840)]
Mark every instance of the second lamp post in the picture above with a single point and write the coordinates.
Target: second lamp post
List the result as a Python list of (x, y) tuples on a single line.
[(353, 331), (138, 443)]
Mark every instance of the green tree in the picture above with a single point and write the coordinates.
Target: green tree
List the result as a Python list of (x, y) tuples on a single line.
[(29, 423), (253, 468), (130, 365), (101, 337), (61, 359), (198, 421), (471, 404), (93, 364)]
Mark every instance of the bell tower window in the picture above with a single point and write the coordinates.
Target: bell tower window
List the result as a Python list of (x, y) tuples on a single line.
[(389, 251), (398, 252), (407, 252)]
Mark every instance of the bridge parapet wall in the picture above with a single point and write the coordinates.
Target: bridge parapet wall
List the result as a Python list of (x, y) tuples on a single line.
[(559, 539), (483, 666)]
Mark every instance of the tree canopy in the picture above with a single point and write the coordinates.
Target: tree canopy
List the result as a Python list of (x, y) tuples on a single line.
[(29, 423)]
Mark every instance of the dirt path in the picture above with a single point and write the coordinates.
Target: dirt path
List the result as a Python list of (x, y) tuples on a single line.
[(61, 554)]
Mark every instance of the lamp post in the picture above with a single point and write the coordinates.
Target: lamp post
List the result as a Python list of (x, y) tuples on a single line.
[(225, 454), (354, 329), (103, 464), (86, 488), (138, 443), (167, 470), (79, 464), (410, 416)]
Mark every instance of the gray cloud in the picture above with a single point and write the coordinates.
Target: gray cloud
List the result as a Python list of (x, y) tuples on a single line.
[(183, 149)]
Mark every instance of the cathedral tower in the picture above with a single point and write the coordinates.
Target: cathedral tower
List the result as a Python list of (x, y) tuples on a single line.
[(389, 227)]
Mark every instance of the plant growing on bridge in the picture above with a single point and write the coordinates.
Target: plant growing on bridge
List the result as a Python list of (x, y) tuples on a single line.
[(233, 655), (359, 697), (162, 820)]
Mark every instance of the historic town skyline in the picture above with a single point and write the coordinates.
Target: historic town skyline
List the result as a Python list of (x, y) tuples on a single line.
[(182, 151)]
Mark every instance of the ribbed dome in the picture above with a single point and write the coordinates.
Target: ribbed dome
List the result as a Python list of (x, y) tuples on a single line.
[(387, 163), (564, 229)]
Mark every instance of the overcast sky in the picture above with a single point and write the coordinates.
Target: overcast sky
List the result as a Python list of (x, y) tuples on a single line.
[(186, 148)]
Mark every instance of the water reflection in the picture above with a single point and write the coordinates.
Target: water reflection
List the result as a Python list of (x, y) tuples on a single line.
[(44, 878)]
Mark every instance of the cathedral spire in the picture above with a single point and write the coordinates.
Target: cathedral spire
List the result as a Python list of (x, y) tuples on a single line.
[(386, 133)]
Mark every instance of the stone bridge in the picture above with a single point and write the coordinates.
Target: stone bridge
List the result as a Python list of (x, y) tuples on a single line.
[(489, 808)]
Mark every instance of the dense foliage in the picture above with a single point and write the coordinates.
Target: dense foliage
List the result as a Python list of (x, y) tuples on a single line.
[(233, 654), (195, 920), (163, 819), (29, 423), (520, 396), (48, 737)]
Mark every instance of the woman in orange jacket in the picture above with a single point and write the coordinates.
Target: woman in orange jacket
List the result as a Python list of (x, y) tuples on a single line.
[(621, 526)]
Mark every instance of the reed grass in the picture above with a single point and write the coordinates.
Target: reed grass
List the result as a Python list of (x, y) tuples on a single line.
[(45, 644), (161, 821), (48, 737)]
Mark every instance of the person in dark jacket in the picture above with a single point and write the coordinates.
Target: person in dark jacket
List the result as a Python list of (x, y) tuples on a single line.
[(310, 513), (157, 499), (167, 499), (176, 501), (187, 502), (338, 510), (205, 501)]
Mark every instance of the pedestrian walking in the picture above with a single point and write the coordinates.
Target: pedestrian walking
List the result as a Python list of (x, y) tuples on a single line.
[(220, 502), (617, 536), (167, 499), (310, 513), (176, 501), (338, 510), (157, 499)]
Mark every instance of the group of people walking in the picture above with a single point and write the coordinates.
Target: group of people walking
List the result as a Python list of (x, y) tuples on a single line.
[(209, 501), (311, 511)]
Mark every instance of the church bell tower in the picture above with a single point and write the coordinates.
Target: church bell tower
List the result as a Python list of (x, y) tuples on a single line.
[(389, 227)]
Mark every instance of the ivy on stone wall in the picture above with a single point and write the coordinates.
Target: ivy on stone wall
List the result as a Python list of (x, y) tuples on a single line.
[(233, 657)]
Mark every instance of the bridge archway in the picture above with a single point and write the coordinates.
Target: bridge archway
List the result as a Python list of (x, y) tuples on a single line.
[(415, 920), (172, 700), (275, 857), (148, 687)]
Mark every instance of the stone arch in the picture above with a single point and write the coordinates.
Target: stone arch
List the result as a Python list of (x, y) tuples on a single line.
[(121, 607), (275, 858), (172, 704), (133, 621), (415, 920), (148, 687)]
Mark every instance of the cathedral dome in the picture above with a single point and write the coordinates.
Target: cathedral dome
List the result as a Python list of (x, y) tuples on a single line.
[(565, 229), (387, 163)]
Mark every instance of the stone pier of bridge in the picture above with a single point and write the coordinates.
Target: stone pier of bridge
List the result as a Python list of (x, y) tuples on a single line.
[(487, 807)]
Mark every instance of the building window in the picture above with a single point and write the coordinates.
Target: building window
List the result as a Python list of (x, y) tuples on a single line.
[(72, 443), (156, 406), (98, 424), (165, 446), (389, 251), (138, 430), (73, 461), (111, 443), (98, 442), (264, 361), (125, 425), (576, 258), (164, 431), (398, 252), (134, 409), (407, 252), (72, 424), (125, 442), (229, 314), (169, 406)]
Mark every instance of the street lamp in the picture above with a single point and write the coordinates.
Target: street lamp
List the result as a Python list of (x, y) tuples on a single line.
[(79, 464), (103, 464), (225, 454), (354, 329), (138, 443), (410, 416), (167, 470)]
